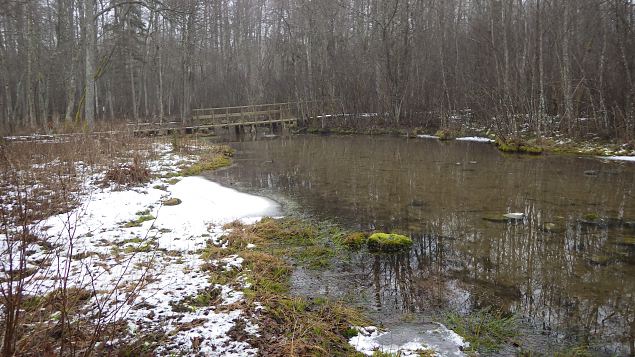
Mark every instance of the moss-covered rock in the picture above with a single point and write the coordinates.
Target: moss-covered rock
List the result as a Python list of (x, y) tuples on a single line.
[(553, 227), (388, 242), (172, 202), (593, 219)]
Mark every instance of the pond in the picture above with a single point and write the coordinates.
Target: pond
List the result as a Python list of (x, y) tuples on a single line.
[(566, 269)]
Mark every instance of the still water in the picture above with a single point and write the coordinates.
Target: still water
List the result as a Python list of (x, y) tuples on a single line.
[(567, 270)]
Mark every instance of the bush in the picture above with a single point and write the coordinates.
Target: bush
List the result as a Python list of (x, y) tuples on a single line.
[(128, 174)]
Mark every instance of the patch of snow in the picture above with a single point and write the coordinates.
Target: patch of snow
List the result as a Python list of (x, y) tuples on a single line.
[(436, 337), (619, 158), (478, 139), (425, 136)]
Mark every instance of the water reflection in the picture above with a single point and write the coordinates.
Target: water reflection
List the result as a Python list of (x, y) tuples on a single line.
[(567, 271)]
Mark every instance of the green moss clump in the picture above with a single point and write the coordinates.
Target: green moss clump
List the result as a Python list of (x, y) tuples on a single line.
[(591, 216), (173, 181), (388, 242), (172, 202), (517, 147), (143, 248), (137, 222), (355, 240), (206, 165)]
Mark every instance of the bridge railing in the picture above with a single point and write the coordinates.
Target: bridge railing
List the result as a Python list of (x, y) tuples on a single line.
[(247, 114)]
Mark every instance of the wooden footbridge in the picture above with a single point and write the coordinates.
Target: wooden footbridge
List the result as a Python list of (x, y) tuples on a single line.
[(241, 118), (207, 120)]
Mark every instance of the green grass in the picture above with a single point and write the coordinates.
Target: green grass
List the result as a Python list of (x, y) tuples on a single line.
[(146, 247), (486, 330), (139, 221), (206, 164)]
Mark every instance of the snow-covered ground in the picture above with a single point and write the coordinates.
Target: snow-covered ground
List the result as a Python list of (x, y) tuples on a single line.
[(141, 259)]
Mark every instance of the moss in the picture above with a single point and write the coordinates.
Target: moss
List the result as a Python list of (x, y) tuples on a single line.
[(355, 240), (388, 242), (160, 187), (517, 147), (172, 202), (146, 247), (486, 330), (173, 181), (139, 221), (591, 216), (206, 164), (135, 240)]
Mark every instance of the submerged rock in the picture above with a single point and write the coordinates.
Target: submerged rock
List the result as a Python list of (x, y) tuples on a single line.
[(592, 219), (388, 242), (515, 216), (600, 259), (505, 218), (551, 227)]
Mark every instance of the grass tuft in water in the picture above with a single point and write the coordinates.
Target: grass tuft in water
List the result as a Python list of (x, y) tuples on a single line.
[(486, 330), (355, 240)]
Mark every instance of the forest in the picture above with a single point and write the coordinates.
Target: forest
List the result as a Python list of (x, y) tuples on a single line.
[(533, 65)]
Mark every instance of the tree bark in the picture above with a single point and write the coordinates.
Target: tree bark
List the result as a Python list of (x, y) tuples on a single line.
[(90, 54)]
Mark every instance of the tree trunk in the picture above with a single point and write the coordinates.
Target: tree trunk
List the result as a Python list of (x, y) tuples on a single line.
[(566, 69), (90, 54)]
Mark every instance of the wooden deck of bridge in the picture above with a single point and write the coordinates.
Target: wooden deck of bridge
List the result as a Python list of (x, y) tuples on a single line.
[(240, 117)]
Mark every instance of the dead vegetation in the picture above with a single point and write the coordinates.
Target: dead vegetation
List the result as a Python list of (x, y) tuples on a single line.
[(39, 180), (129, 173)]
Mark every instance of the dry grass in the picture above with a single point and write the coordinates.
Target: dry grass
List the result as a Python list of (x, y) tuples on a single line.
[(128, 174), (38, 180)]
